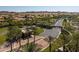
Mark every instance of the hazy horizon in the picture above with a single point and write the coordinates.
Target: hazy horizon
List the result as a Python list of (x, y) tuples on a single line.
[(39, 8)]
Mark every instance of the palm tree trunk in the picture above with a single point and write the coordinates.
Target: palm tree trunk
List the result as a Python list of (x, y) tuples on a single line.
[(11, 47), (34, 38), (27, 42), (19, 43), (64, 48), (34, 33), (76, 50), (50, 44)]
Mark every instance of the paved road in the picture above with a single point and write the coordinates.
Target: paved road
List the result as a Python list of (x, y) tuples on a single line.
[(54, 32)]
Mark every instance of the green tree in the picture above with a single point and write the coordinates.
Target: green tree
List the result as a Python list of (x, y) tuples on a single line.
[(65, 36), (34, 33), (2, 39), (31, 48), (9, 20), (13, 34), (76, 40), (50, 40)]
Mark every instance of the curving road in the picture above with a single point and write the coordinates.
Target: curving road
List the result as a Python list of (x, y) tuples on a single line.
[(55, 31)]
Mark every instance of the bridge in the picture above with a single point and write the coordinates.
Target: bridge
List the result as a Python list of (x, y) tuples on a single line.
[(57, 27)]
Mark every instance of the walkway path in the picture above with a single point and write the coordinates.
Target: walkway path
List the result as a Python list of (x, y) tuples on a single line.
[(23, 42), (54, 32)]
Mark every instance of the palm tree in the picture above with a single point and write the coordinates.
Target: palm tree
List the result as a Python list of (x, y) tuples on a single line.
[(34, 33), (27, 42), (28, 38), (10, 35), (11, 45), (66, 22), (76, 38), (77, 44), (18, 34), (65, 34), (34, 37), (31, 48), (11, 41), (50, 39), (26, 19), (19, 40), (14, 34)]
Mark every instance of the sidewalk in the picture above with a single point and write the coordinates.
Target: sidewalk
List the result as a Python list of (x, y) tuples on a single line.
[(39, 40)]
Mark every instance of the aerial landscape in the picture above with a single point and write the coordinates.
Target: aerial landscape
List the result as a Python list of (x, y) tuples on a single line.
[(39, 29)]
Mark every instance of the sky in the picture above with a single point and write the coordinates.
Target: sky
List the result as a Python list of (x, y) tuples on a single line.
[(39, 8)]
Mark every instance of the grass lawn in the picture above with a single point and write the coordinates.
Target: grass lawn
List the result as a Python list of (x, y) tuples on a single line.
[(2, 39), (3, 32), (38, 30)]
